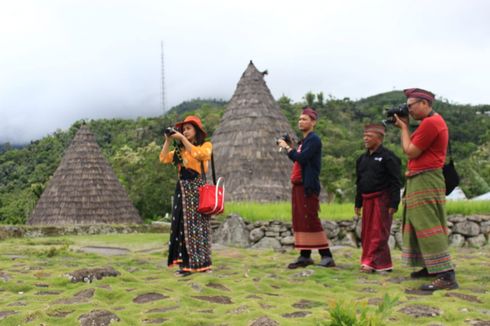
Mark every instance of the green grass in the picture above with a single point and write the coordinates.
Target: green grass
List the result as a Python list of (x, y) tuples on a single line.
[(258, 283), (254, 211), (468, 207), (281, 211)]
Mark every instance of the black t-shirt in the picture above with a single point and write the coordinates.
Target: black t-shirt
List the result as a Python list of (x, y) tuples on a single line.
[(376, 172)]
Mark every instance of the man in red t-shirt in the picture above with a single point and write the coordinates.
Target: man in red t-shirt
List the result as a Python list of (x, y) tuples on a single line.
[(425, 240)]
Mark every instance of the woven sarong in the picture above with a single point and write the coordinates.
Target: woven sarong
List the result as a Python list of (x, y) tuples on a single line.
[(376, 228), (189, 239), (425, 233), (307, 227)]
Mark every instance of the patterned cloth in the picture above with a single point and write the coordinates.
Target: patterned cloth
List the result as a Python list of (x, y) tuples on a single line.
[(376, 228), (425, 233), (189, 239), (308, 230)]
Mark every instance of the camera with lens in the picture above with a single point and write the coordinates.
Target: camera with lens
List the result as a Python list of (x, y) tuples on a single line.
[(169, 131), (400, 110), (284, 137)]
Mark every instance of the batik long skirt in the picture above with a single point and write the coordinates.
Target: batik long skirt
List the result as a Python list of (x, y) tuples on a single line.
[(307, 227), (189, 245), (425, 233), (376, 228)]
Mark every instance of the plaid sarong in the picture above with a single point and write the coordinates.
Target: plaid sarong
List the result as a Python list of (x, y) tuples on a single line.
[(425, 233)]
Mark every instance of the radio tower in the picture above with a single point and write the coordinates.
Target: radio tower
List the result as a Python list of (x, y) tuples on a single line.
[(163, 80)]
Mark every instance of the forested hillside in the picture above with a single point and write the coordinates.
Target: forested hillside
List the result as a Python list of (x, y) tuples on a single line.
[(132, 148)]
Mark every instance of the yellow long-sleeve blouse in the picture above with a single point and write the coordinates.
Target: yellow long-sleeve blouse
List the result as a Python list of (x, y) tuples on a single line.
[(192, 160)]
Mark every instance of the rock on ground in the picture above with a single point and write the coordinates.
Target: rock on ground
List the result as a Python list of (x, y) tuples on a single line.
[(98, 318), (233, 232), (88, 275)]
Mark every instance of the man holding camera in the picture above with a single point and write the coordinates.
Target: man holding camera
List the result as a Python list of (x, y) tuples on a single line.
[(378, 194), (425, 233), (305, 179)]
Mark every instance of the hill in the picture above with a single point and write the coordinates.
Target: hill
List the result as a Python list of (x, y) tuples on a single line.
[(132, 148)]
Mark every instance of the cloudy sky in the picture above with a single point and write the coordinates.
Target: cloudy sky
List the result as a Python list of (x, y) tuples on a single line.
[(65, 60)]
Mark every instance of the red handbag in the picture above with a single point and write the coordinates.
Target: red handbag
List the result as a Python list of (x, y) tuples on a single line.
[(211, 197)]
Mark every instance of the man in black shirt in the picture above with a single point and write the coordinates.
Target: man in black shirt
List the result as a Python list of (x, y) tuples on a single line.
[(378, 194)]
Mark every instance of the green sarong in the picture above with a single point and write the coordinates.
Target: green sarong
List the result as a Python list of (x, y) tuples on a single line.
[(425, 233)]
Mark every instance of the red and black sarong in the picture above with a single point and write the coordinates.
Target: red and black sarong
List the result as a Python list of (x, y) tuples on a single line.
[(307, 227), (376, 227)]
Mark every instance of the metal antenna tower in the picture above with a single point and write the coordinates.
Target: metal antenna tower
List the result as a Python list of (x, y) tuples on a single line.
[(163, 80)]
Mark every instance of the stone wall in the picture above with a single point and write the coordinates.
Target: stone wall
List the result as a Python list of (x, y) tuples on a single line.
[(464, 231), (470, 231), (19, 231)]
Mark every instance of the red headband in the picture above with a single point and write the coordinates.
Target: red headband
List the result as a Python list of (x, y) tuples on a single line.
[(419, 93), (375, 127), (310, 112)]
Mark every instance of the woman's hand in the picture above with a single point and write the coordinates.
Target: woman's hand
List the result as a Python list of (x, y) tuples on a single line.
[(177, 136)]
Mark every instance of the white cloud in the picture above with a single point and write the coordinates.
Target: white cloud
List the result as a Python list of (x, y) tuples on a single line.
[(66, 60)]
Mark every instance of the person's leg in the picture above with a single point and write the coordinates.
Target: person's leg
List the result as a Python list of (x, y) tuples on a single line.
[(327, 258), (305, 253), (298, 213), (444, 281), (303, 260)]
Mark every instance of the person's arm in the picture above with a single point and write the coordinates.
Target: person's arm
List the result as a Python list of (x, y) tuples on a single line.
[(358, 200), (309, 148), (393, 168), (408, 147), (165, 155), (180, 137), (202, 152)]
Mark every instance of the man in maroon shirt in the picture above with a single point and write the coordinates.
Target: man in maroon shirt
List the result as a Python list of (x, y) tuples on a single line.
[(425, 241)]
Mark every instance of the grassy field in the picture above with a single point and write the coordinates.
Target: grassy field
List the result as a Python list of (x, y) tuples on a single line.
[(244, 286), (253, 211)]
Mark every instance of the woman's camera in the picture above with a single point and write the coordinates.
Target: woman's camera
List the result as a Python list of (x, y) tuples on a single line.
[(169, 131)]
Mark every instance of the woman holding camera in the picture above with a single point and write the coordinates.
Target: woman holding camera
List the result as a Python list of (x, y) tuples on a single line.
[(189, 245)]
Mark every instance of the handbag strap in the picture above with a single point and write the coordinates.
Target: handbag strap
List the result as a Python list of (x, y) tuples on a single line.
[(449, 148), (203, 175)]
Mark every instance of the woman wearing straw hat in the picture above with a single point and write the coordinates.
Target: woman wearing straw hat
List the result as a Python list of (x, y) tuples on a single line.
[(189, 245)]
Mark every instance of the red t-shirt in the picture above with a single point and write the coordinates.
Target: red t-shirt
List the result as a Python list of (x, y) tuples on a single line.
[(431, 137)]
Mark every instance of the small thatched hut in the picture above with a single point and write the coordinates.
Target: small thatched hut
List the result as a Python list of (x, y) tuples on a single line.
[(84, 189), (244, 144)]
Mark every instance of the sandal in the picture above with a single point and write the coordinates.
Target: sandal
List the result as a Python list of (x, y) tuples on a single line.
[(440, 284), (365, 269), (181, 273)]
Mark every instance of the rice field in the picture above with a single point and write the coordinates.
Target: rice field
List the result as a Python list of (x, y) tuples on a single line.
[(254, 211)]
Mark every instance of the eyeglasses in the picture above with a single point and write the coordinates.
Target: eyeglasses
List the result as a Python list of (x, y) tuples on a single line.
[(411, 104)]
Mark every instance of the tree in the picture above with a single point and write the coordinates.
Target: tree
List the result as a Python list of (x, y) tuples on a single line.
[(319, 100), (150, 184), (310, 98)]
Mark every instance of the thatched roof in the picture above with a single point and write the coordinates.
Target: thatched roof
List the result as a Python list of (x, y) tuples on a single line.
[(84, 189), (244, 144)]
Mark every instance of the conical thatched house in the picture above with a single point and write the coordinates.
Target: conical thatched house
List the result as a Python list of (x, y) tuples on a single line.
[(84, 189), (244, 144)]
